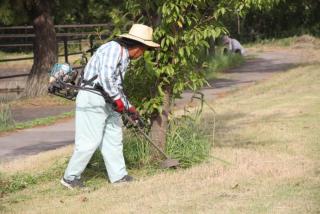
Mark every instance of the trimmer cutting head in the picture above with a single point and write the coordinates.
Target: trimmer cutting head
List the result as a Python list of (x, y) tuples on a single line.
[(169, 163)]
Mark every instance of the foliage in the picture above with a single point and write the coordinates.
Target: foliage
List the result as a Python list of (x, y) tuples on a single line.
[(12, 12), (183, 29), (283, 18), (15, 12)]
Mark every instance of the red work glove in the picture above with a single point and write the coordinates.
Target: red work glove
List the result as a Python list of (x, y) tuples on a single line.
[(133, 113), (119, 105)]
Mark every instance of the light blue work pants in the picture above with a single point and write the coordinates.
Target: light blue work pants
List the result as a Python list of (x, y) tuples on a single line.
[(97, 125)]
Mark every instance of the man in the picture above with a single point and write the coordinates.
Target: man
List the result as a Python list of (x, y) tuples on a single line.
[(98, 124), (233, 45)]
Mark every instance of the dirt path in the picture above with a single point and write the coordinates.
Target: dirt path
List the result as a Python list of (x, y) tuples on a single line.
[(27, 114), (32, 141), (261, 67)]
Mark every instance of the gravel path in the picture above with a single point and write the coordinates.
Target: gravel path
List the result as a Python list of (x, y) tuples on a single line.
[(35, 140)]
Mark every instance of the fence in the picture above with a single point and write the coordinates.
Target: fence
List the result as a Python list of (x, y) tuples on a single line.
[(19, 37)]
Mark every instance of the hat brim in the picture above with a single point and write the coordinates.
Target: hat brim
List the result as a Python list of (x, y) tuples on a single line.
[(150, 44)]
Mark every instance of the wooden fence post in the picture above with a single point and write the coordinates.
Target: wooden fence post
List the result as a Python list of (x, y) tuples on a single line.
[(80, 45), (91, 44), (65, 44)]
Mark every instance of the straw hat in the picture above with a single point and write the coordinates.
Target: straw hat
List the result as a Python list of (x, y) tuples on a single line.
[(142, 34)]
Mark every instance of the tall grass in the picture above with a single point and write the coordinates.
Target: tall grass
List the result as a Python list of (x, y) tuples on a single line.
[(220, 62), (137, 150), (6, 119), (188, 140)]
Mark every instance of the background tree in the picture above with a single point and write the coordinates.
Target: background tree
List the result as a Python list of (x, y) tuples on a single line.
[(183, 29), (44, 46), (276, 19), (42, 14)]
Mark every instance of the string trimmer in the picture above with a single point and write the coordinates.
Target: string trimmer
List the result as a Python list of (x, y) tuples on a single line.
[(70, 91)]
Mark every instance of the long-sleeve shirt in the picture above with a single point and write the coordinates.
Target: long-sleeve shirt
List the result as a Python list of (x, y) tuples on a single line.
[(235, 45), (109, 62)]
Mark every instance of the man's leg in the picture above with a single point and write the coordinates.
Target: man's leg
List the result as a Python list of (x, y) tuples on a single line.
[(112, 147), (90, 124)]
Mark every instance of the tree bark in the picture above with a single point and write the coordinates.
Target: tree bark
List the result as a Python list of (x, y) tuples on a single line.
[(44, 48), (159, 122)]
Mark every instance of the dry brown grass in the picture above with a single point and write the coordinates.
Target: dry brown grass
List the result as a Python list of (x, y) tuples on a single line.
[(305, 47), (42, 101), (35, 163), (265, 160)]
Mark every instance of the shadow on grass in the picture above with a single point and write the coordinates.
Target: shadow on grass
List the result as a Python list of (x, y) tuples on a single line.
[(226, 127)]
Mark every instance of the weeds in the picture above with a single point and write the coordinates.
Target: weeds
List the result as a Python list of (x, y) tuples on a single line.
[(6, 119), (188, 140), (220, 62), (19, 181), (136, 151)]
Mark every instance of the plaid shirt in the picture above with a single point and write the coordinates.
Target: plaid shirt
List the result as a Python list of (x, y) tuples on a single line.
[(109, 62)]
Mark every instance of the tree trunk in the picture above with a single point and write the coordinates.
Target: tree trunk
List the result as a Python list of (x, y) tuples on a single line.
[(44, 49), (159, 122)]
